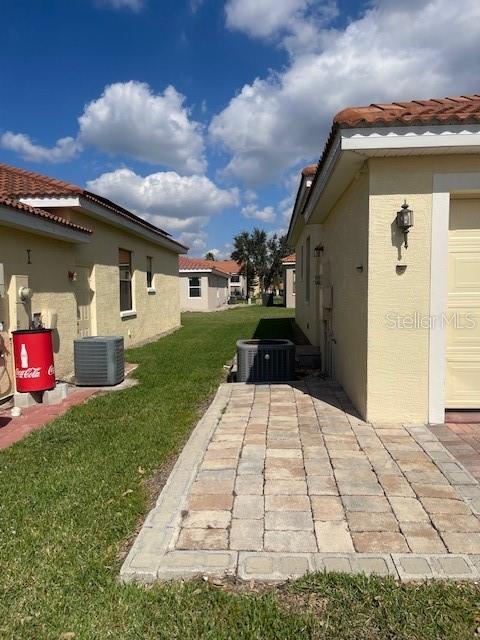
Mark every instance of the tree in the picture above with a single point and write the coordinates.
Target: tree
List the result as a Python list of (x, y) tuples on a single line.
[(277, 249), (209, 255), (260, 257), (242, 253)]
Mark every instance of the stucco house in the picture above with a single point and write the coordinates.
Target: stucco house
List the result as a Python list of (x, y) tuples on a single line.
[(288, 264), (203, 285), (94, 268), (237, 281), (398, 327)]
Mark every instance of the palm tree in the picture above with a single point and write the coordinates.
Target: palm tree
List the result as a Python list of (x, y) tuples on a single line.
[(209, 255)]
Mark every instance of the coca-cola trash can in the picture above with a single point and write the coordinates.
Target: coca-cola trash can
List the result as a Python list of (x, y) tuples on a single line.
[(33, 355)]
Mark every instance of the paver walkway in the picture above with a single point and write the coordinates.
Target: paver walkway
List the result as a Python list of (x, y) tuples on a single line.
[(278, 480), (463, 440)]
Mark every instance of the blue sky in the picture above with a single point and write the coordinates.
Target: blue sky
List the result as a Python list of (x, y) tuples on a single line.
[(199, 114)]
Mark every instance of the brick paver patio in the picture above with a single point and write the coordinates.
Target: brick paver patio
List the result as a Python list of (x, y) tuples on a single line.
[(463, 440), (288, 475)]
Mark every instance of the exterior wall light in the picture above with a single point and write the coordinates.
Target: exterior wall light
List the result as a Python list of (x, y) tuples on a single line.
[(317, 252), (405, 221)]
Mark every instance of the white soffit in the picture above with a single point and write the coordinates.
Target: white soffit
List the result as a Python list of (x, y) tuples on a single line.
[(106, 215), (364, 142), (414, 137)]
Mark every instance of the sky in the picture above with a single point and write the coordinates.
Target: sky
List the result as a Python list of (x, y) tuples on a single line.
[(199, 114)]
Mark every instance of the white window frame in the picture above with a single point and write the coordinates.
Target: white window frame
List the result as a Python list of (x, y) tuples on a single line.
[(125, 313), (199, 287), (151, 288)]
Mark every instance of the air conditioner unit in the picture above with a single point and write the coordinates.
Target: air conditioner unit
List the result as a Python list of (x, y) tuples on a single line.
[(99, 361), (265, 360)]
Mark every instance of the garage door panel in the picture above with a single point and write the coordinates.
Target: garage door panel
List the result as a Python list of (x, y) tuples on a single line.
[(462, 320)]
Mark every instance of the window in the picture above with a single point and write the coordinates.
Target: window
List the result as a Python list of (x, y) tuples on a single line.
[(307, 270), (301, 262), (234, 278), (194, 287), (293, 281), (149, 272), (125, 270)]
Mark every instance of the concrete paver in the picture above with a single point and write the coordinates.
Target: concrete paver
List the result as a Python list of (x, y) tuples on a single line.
[(278, 480)]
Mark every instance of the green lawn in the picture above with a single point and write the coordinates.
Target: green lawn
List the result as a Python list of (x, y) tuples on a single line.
[(73, 493)]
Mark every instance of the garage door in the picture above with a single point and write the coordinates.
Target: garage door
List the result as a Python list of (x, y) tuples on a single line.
[(463, 313)]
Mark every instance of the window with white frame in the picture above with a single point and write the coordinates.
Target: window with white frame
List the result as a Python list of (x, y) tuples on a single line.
[(149, 272), (293, 281), (234, 278), (125, 274), (194, 287)]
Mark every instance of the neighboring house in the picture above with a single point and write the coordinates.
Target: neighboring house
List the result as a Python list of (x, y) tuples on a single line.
[(203, 285), (237, 282), (289, 281), (398, 327), (94, 267)]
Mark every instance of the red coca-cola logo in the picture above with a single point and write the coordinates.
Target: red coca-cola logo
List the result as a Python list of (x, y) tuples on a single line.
[(34, 372), (31, 372)]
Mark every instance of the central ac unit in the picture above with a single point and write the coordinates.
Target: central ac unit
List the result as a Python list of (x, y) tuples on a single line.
[(99, 361)]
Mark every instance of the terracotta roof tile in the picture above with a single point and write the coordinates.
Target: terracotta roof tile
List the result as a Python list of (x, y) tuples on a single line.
[(309, 170), (18, 183), (288, 259), (454, 110), (229, 266), (434, 111), (197, 264), (41, 213)]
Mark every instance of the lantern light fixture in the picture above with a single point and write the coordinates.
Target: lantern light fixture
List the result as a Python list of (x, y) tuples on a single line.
[(405, 221)]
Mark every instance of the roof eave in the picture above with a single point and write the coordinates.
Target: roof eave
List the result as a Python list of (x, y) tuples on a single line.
[(105, 214), (26, 221), (349, 148)]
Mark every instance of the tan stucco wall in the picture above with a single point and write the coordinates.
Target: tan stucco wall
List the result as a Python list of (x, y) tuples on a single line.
[(289, 292), (345, 241), (306, 313), (54, 292), (209, 300), (398, 358)]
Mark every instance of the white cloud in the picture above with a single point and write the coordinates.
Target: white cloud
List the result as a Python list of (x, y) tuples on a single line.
[(249, 195), (295, 23), (395, 51), (129, 119), (64, 149), (176, 203), (133, 5), (267, 214), (195, 241), (261, 18)]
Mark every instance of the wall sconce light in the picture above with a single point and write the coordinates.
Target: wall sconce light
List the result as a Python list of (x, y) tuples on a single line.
[(405, 221), (72, 276), (317, 252)]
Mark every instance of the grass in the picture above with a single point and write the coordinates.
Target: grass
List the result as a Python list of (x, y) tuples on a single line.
[(72, 493)]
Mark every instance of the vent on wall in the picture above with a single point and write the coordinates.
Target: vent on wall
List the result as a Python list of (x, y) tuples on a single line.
[(99, 361), (265, 360)]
